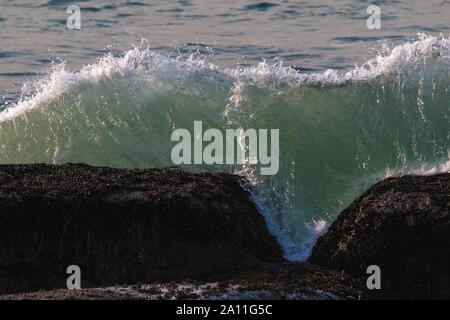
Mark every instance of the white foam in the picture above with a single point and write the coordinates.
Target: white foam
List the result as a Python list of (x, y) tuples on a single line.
[(134, 62), (138, 61), (423, 169), (399, 58), (292, 251), (302, 252), (428, 171)]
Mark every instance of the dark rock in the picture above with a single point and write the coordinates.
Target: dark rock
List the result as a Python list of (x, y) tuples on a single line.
[(125, 226), (287, 280), (403, 226)]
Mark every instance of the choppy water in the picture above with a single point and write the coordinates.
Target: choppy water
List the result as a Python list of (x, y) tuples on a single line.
[(341, 126)]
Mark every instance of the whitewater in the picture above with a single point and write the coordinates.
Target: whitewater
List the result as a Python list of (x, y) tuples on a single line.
[(340, 131)]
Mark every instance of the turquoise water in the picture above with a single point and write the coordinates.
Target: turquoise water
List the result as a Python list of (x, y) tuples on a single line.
[(341, 127)]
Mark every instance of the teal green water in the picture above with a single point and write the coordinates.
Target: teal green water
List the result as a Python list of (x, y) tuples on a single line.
[(339, 132)]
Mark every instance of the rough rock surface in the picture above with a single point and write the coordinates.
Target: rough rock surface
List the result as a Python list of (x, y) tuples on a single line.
[(125, 226), (403, 226), (287, 280), (170, 234)]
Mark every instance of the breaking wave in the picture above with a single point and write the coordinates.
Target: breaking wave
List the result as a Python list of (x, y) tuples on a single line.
[(339, 131)]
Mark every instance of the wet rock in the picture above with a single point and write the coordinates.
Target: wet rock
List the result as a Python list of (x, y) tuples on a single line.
[(402, 225), (125, 226)]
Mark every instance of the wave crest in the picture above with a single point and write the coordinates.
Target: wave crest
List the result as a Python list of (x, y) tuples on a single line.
[(419, 55)]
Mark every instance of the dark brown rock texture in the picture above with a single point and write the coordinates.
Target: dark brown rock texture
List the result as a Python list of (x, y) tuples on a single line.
[(166, 226), (403, 226), (125, 226)]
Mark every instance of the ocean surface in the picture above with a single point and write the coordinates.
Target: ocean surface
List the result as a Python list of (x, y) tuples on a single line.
[(353, 105)]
